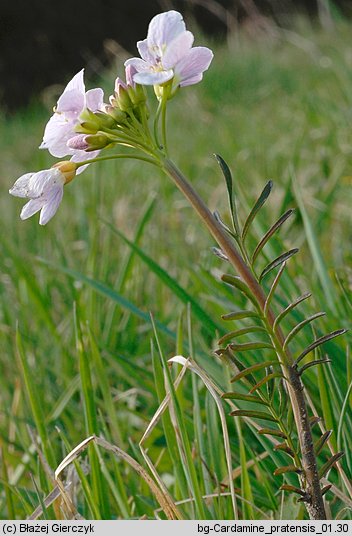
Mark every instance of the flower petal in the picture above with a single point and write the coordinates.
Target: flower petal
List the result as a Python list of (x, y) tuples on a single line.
[(21, 186), (81, 156), (52, 204), (94, 99), (130, 71), (44, 182), (57, 131), (30, 208), (196, 62), (151, 78), (70, 101), (193, 80), (177, 49), (138, 64), (77, 83), (145, 52), (164, 28)]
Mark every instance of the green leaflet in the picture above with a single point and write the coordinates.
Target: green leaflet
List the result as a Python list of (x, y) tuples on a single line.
[(330, 463), (287, 469), (253, 368), (239, 332), (320, 341), (276, 262), (258, 205), (270, 233), (238, 283), (229, 185), (265, 380), (254, 414), (248, 398)]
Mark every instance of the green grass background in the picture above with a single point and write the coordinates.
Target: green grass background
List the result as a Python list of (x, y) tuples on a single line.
[(84, 358)]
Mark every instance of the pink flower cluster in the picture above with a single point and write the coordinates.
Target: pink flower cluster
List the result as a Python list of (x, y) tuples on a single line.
[(167, 59), (167, 54)]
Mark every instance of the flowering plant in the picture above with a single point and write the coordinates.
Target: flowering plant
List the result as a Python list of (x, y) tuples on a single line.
[(83, 126)]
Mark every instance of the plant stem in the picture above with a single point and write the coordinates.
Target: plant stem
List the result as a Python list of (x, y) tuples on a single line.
[(310, 478), (166, 93), (114, 157)]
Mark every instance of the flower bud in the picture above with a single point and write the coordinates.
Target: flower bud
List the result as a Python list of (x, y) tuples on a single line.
[(87, 115), (96, 142), (87, 127), (105, 120), (88, 122), (78, 143), (137, 94), (122, 97), (118, 115), (68, 170)]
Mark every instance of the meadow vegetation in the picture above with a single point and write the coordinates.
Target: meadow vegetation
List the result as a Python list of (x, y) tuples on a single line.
[(79, 353)]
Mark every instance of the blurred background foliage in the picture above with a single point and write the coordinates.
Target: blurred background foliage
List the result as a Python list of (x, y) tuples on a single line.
[(41, 43)]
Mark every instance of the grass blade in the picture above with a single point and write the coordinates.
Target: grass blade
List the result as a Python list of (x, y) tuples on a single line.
[(171, 283), (34, 401), (183, 439), (108, 292), (248, 512), (90, 415), (315, 249), (342, 415)]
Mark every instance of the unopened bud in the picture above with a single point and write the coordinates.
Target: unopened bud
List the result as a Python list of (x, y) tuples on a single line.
[(122, 97), (96, 142), (87, 127), (68, 169), (137, 94), (78, 142), (87, 115), (118, 115), (104, 119)]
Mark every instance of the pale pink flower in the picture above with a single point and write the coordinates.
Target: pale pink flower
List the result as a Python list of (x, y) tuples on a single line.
[(61, 126), (44, 189), (167, 54)]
